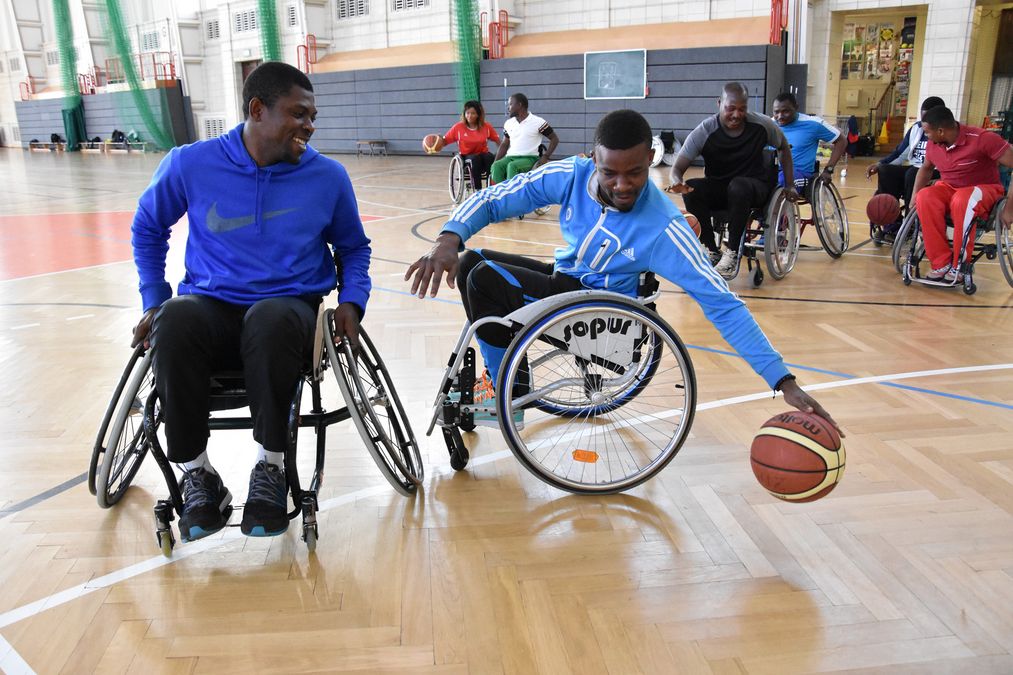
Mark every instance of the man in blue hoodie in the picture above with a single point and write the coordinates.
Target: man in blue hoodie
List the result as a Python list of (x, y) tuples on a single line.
[(264, 212), (616, 224)]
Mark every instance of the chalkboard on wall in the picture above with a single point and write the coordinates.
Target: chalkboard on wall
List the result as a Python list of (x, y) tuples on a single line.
[(617, 74)]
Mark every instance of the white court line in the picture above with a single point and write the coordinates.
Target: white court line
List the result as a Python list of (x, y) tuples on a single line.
[(25, 325), (10, 660), (79, 317), (73, 269)]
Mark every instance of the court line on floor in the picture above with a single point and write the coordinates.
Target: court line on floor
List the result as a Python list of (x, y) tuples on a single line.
[(8, 655)]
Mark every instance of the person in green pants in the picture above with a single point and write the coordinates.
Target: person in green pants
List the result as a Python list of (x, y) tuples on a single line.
[(522, 134)]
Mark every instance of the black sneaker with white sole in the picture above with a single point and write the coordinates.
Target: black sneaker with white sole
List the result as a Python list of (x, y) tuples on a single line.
[(205, 499), (266, 511)]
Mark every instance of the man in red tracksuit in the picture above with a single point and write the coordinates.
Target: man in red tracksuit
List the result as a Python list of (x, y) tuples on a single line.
[(968, 161)]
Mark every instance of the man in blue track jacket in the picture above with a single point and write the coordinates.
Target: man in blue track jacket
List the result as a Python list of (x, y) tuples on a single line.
[(264, 211), (616, 225)]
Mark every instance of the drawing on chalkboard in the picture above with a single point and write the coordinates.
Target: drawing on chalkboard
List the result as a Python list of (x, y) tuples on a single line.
[(608, 74)]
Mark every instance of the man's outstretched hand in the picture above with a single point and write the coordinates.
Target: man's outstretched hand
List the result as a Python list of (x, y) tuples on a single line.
[(441, 259), (794, 395)]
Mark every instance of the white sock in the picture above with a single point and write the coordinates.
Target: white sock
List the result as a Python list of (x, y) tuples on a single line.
[(265, 455), (201, 462)]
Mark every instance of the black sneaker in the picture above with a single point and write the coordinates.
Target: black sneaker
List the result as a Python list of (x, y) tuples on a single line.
[(266, 511), (205, 499)]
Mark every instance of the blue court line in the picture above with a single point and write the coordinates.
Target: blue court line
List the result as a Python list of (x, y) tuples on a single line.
[(796, 366)]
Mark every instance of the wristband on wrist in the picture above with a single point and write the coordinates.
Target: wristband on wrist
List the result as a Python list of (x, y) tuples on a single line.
[(780, 383)]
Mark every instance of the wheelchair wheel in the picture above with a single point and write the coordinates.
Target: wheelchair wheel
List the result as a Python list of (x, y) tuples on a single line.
[(456, 179), (1004, 244), (376, 409), (121, 443), (541, 210), (627, 384), (831, 218), (780, 244), (907, 237)]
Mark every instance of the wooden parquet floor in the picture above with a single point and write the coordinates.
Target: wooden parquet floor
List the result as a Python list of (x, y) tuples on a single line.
[(907, 567)]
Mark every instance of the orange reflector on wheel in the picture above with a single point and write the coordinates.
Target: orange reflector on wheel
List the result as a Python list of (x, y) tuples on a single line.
[(589, 456)]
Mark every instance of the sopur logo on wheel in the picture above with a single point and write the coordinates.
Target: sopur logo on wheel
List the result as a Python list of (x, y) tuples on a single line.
[(594, 328)]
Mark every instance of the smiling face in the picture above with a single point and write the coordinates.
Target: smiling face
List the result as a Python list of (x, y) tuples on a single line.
[(282, 130), (732, 109), (784, 112), (622, 174), (471, 117)]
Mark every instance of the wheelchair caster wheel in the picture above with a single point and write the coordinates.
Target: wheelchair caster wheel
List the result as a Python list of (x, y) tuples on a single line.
[(466, 426), (309, 519), (757, 277), (166, 542), (309, 535), (970, 289), (907, 280), (455, 446)]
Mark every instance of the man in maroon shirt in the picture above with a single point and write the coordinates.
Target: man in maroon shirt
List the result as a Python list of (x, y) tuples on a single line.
[(968, 161)]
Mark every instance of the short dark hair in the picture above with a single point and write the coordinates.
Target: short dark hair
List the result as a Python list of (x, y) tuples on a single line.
[(520, 98), (270, 81), (940, 116), (622, 130), (736, 89), (786, 96), (931, 102)]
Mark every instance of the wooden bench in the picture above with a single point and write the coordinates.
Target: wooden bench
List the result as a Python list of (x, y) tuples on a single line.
[(375, 146), (39, 146)]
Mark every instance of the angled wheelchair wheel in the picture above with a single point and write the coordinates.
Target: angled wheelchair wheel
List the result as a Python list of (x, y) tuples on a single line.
[(456, 179), (541, 210), (624, 380), (908, 237), (780, 243), (121, 444), (1004, 245), (376, 409), (831, 218)]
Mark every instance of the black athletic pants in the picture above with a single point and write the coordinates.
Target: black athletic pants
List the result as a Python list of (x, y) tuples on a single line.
[(899, 181), (480, 165), (195, 335), (737, 196), (494, 284)]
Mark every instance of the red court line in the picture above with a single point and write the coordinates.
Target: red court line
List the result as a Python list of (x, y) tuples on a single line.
[(43, 244)]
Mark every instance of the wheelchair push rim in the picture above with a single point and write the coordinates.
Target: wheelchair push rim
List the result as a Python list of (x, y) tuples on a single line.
[(456, 179), (831, 218), (376, 410), (606, 448), (1004, 244), (121, 443), (780, 243)]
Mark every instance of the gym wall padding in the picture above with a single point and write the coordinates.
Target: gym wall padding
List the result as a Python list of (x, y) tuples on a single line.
[(401, 105)]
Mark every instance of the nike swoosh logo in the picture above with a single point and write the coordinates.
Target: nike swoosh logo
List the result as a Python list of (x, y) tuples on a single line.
[(219, 224)]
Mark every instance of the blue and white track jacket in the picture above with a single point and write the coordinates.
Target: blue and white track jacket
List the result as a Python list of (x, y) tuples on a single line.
[(609, 249)]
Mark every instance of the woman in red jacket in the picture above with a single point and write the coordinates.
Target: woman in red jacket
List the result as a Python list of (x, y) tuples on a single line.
[(472, 134)]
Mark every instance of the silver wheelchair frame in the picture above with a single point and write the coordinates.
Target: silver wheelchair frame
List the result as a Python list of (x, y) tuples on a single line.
[(129, 428), (535, 323)]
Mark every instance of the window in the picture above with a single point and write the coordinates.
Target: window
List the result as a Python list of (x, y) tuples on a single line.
[(349, 9), (149, 41), (405, 5), (15, 64), (291, 19), (244, 22), (213, 30), (53, 57), (214, 127)]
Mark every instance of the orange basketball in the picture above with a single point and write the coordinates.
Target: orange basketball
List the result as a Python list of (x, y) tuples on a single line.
[(693, 222), (432, 143), (797, 456), (882, 209)]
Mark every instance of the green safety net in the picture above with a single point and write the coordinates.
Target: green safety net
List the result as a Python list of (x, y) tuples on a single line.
[(270, 41), (158, 127), (469, 50), (73, 111)]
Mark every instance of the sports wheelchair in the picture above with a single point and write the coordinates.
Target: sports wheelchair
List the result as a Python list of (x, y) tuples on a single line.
[(908, 249), (606, 385), (130, 427), (460, 184), (777, 224), (827, 213)]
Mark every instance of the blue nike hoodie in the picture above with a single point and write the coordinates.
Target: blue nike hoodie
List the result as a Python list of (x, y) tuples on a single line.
[(255, 232)]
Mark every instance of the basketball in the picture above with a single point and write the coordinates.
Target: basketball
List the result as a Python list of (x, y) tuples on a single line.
[(797, 456), (432, 143), (883, 209), (693, 222)]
